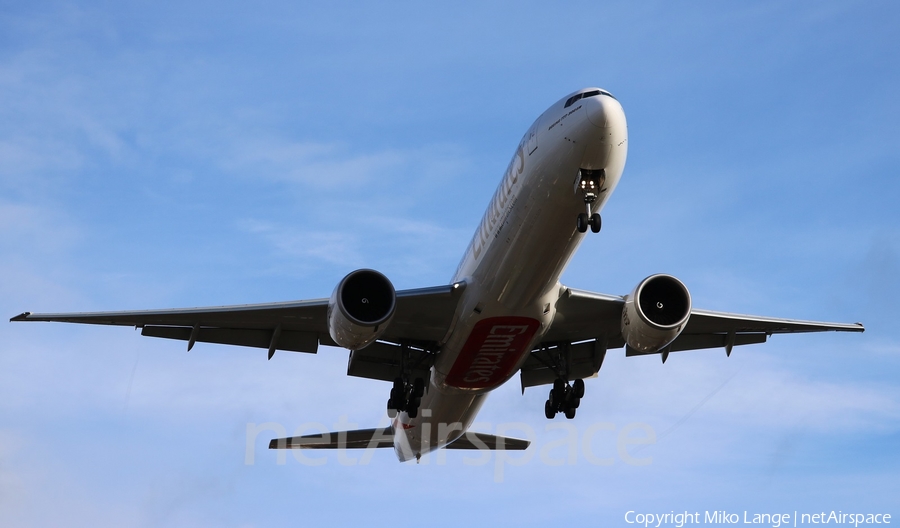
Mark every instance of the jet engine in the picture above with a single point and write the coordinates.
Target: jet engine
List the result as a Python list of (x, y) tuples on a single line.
[(655, 313), (360, 309)]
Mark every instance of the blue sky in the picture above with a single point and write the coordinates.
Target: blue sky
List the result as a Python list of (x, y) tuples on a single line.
[(166, 155)]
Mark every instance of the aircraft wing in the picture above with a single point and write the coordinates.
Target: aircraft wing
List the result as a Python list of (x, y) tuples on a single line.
[(588, 323), (422, 316)]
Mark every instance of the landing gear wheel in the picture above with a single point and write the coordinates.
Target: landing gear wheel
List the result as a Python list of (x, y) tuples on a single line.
[(582, 222), (412, 408), (418, 387), (578, 387), (549, 411), (397, 401), (558, 395), (595, 222), (559, 386), (570, 412), (392, 403)]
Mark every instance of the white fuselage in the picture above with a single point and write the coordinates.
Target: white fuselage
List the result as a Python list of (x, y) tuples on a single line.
[(511, 268)]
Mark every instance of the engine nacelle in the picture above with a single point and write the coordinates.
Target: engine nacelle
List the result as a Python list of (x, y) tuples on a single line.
[(361, 308), (655, 313)]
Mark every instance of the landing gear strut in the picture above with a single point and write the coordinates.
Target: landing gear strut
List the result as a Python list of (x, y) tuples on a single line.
[(406, 396), (590, 183), (564, 398)]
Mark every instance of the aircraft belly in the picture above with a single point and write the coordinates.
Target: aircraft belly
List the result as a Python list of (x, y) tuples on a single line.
[(491, 353)]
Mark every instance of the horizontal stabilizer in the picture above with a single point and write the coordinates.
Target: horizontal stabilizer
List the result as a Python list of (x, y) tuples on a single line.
[(384, 437), (472, 440), (358, 439)]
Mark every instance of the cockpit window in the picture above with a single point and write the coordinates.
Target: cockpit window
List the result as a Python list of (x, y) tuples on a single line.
[(572, 99), (585, 95)]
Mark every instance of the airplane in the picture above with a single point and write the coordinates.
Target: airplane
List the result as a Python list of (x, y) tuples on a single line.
[(445, 348)]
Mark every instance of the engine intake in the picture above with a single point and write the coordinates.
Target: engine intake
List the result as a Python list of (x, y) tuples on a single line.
[(361, 308), (655, 313)]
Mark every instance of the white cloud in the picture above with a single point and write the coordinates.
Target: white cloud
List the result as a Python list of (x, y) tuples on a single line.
[(333, 247), (339, 167), (752, 390), (35, 229), (318, 165), (22, 159), (786, 399), (409, 248)]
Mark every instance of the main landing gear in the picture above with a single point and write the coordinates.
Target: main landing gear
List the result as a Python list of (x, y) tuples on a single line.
[(590, 183), (406, 397), (564, 398)]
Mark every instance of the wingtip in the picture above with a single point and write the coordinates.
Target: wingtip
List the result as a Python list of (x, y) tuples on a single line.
[(280, 443), (21, 317)]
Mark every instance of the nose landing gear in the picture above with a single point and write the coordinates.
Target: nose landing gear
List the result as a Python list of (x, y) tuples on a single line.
[(590, 184), (584, 221)]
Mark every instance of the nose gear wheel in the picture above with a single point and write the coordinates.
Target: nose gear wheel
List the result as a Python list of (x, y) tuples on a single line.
[(582, 222), (590, 184)]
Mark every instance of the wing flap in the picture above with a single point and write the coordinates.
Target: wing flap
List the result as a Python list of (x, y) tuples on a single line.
[(702, 341), (286, 339)]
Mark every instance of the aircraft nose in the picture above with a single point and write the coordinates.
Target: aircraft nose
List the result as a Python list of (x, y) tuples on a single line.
[(603, 110)]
